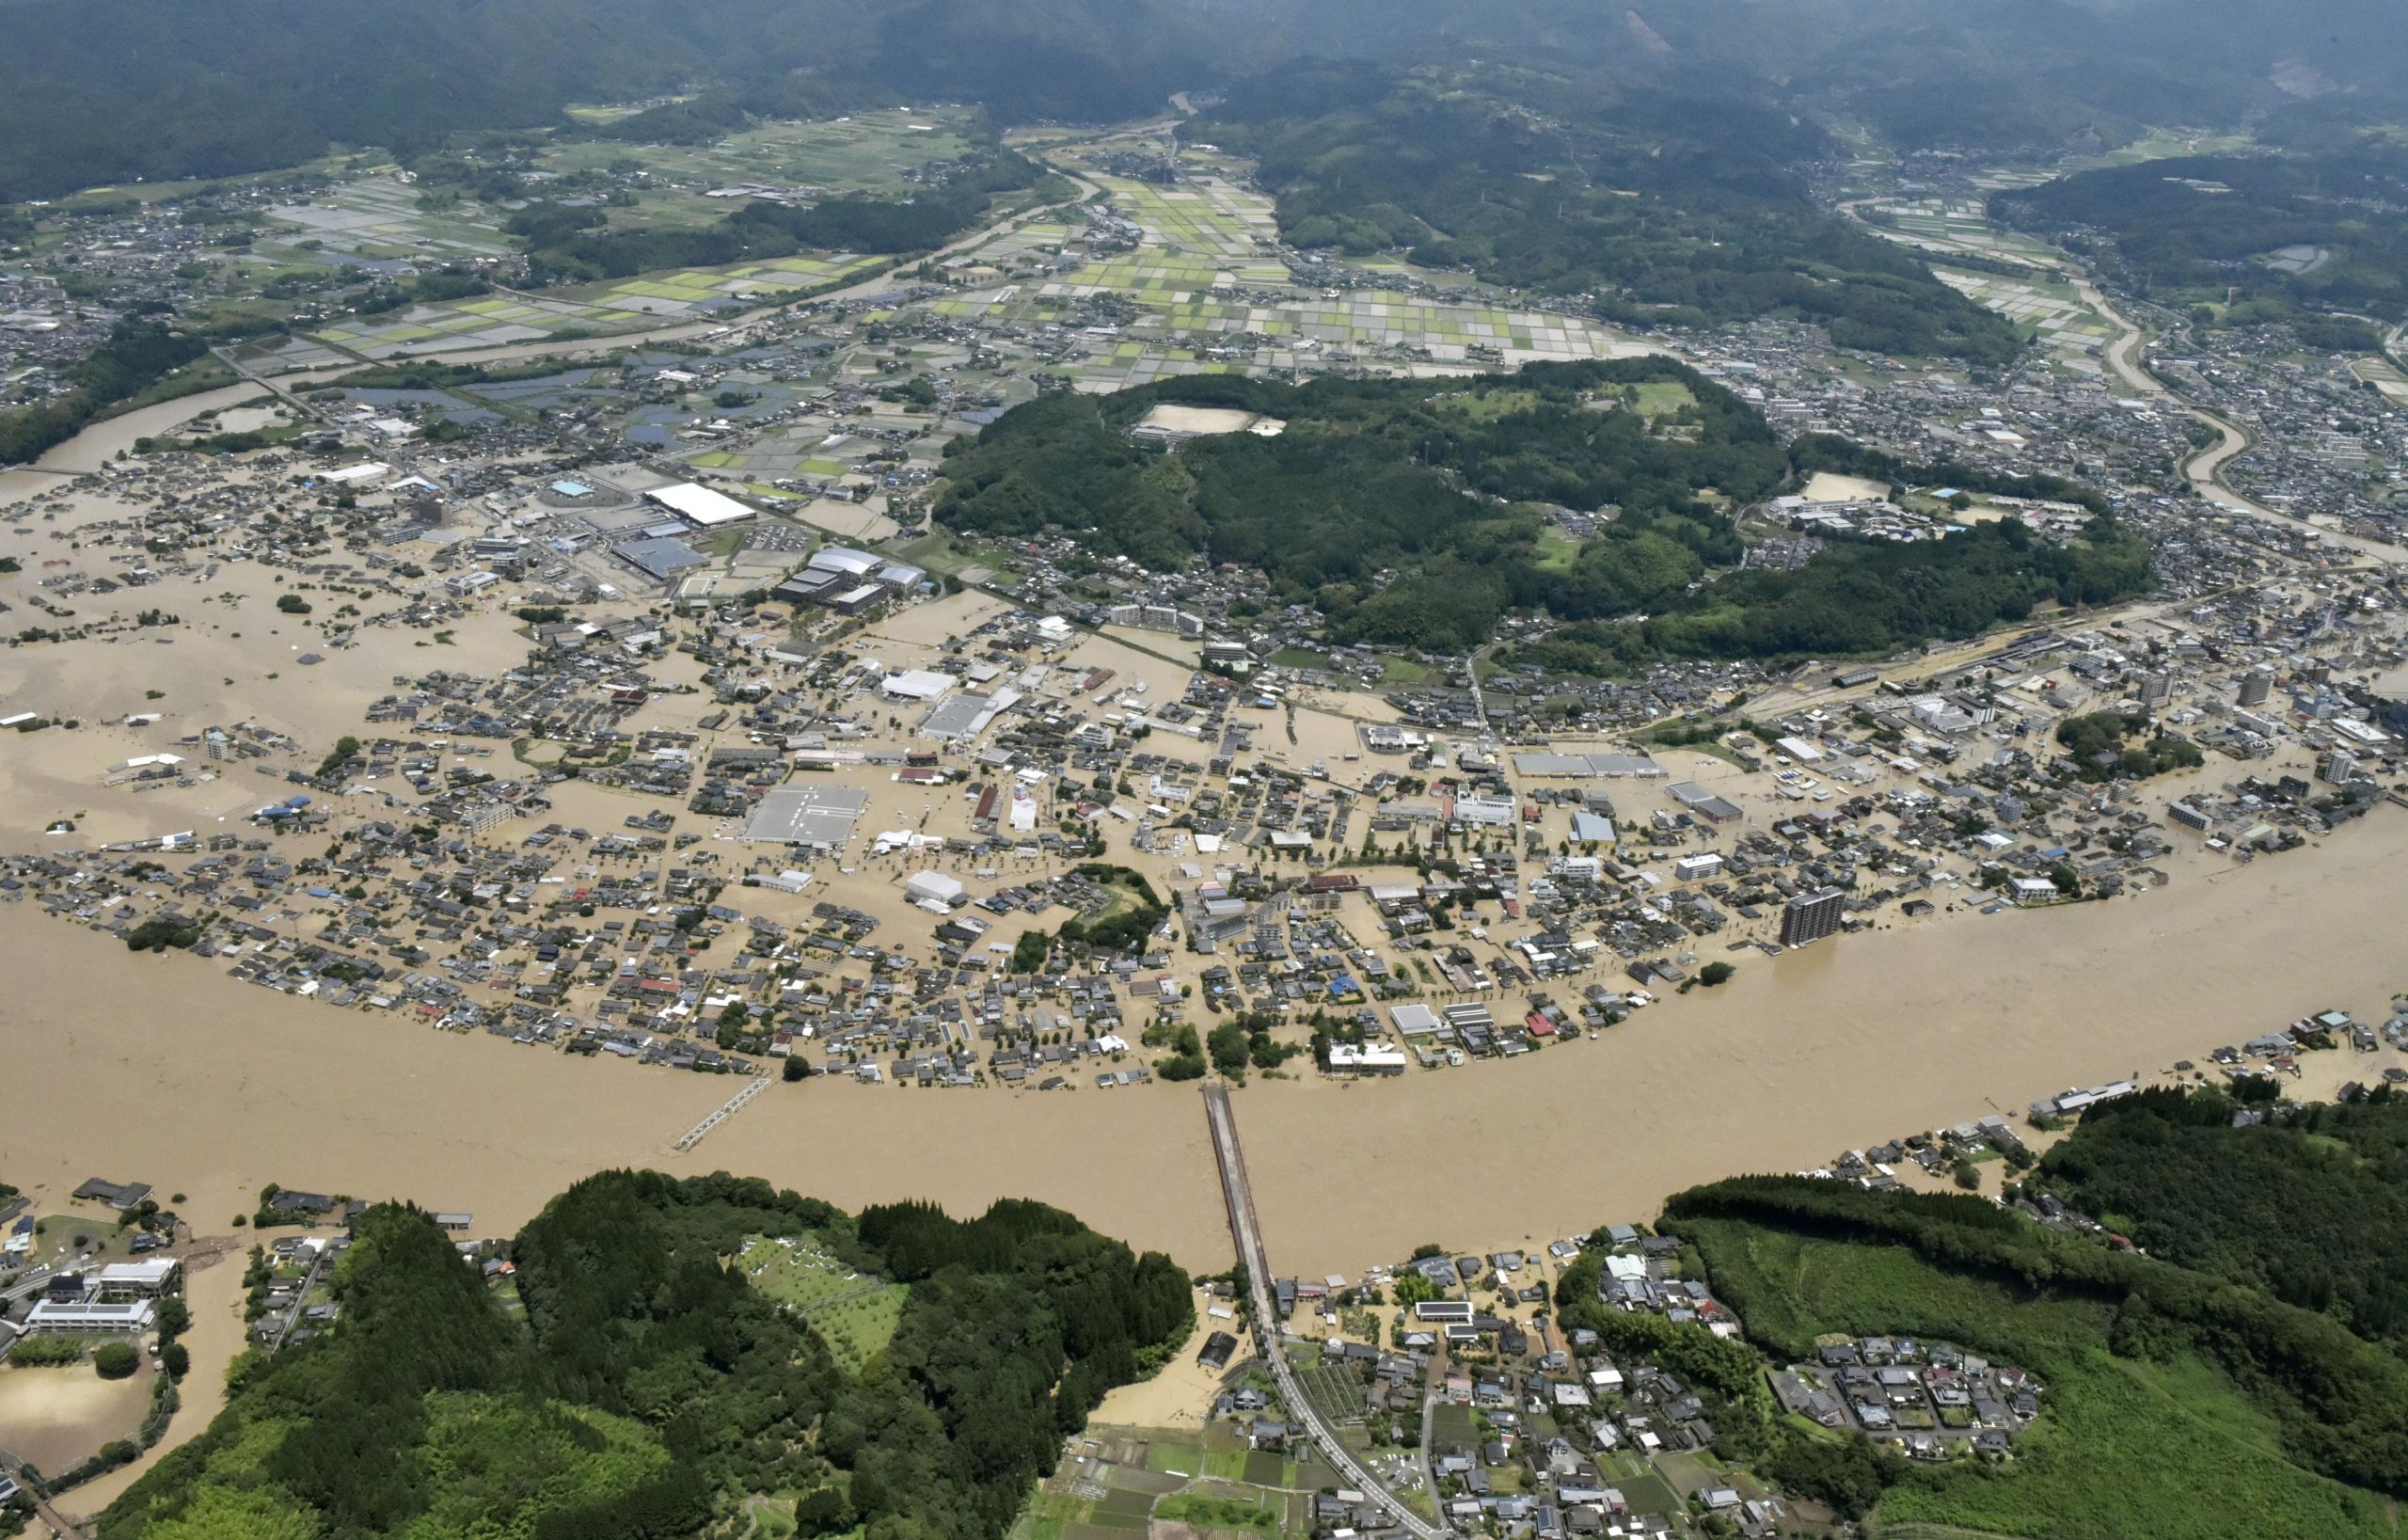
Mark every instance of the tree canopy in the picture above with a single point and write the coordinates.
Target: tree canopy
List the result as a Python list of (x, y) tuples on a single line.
[(1417, 513), (649, 1385)]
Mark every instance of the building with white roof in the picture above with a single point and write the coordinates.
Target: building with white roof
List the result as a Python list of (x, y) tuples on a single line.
[(917, 685), (844, 559), (92, 1315), (140, 1280), (699, 505)]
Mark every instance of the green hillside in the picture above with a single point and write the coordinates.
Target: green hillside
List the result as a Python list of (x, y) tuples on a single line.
[(1414, 513), (651, 1385)]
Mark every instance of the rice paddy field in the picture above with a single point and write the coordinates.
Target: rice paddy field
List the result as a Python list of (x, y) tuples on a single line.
[(664, 299), (1213, 295), (2074, 334), (1954, 224), (2380, 373), (377, 218), (867, 151)]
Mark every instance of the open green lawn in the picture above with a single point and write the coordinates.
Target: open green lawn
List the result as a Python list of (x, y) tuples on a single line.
[(108, 1242), (1662, 398), (855, 1314), (1490, 404), (1556, 550), (1175, 1458)]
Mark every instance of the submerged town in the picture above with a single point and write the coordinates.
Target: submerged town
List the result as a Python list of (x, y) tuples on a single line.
[(600, 673)]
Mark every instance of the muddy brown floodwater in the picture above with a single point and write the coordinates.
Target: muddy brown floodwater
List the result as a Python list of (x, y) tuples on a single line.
[(164, 1070)]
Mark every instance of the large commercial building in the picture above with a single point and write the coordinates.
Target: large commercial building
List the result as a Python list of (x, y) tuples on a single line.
[(699, 505), (1811, 916)]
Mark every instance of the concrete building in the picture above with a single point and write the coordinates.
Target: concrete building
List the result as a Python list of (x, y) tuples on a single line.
[(91, 1315), (121, 1280), (1812, 916)]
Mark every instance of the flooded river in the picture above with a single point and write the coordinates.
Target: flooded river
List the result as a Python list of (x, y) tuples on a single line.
[(164, 1070)]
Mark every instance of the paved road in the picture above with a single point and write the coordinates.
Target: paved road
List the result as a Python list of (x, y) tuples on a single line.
[(1247, 1233), (2204, 469)]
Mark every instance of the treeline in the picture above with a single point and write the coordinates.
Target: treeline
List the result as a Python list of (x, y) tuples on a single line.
[(563, 247), (2339, 1402), (121, 89), (1813, 451), (2206, 229), (2310, 1205), (651, 1388), (1667, 206), (139, 352)]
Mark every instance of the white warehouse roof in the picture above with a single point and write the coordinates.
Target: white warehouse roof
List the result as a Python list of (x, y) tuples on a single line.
[(918, 684), (933, 885), (699, 505)]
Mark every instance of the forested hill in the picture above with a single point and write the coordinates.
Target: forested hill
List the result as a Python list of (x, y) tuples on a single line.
[(1665, 205), (96, 91), (648, 1387), (2310, 1205), (1417, 512), (113, 90), (2248, 238)]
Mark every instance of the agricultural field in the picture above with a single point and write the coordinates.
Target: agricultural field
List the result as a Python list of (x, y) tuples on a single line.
[(377, 218), (2074, 334), (1954, 225), (2384, 377), (686, 186), (1115, 1483), (663, 298), (855, 1314), (1212, 294)]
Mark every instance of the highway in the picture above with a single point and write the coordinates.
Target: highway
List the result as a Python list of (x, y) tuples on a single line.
[(1247, 1233)]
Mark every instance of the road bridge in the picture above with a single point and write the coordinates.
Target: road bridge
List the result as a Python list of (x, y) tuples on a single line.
[(1247, 1232)]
